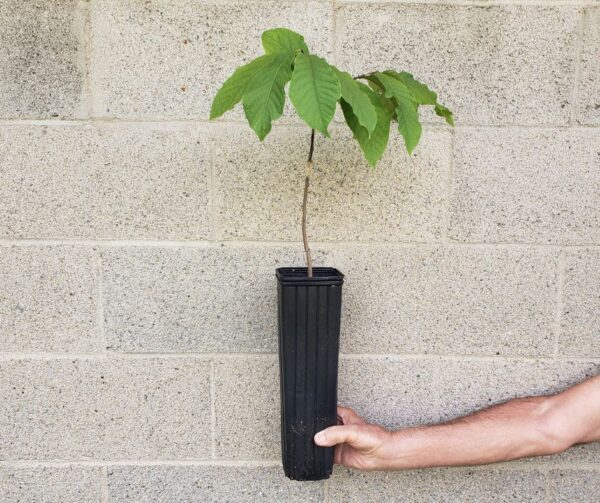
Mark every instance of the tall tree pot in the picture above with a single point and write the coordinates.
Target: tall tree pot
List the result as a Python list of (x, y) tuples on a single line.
[(309, 334)]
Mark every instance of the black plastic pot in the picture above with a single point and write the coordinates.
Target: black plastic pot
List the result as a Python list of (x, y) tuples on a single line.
[(309, 336)]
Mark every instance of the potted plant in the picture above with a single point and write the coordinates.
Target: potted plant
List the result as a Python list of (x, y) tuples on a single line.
[(310, 298)]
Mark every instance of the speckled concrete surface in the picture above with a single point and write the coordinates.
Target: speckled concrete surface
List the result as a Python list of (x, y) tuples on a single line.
[(167, 59), (492, 64), (402, 199), (68, 484), (48, 299), (588, 86), (580, 322), (210, 484), (104, 182), (43, 68), (78, 409), (526, 186)]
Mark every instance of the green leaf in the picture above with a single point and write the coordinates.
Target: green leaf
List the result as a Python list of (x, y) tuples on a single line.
[(233, 88), (423, 95), (314, 91), (374, 84), (373, 145), (264, 96), (406, 110), (283, 40), (358, 100), (444, 112), (408, 124), (393, 88)]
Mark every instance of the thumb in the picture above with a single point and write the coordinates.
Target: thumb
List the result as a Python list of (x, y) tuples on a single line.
[(336, 435)]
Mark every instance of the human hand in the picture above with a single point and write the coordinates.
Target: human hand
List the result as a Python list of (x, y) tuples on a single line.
[(359, 444)]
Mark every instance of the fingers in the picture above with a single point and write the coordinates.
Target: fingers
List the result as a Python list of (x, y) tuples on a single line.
[(335, 435), (339, 454), (348, 416)]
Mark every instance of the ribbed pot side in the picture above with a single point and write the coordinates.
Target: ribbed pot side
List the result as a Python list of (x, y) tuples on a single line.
[(309, 335)]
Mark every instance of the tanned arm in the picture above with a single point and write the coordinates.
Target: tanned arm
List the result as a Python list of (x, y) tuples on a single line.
[(536, 426)]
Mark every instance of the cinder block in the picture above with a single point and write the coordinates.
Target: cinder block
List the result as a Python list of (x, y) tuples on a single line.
[(467, 386), (210, 484), (390, 392), (167, 60), (124, 181), (467, 485), (42, 57), (502, 64), (48, 299), (259, 187), (568, 486), (396, 300), (71, 484), (533, 186), (247, 408), (213, 299), (580, 331), (571, 373), (588, 90), (105, 409), (568, 373), (397, 393), (576, 455), (558, 377), (447, 300)]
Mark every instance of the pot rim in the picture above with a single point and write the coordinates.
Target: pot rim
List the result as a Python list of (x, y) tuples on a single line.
[(299, 276)]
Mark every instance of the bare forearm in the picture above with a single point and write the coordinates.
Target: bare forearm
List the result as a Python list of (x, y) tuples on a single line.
[(501, 433), (520, 428)]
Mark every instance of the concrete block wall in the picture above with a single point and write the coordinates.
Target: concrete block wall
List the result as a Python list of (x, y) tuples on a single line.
[(138, 244)]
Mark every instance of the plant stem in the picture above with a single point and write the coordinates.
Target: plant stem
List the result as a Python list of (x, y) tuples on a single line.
[(304, 200)]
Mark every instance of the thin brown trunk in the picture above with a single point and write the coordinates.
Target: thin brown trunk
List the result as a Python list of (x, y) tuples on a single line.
[(309, 264)]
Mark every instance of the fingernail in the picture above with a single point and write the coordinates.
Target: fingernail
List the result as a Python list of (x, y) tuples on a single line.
[(320, 437)]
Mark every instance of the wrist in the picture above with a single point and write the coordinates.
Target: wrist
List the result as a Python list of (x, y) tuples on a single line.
[(403, 452), (393, 450)]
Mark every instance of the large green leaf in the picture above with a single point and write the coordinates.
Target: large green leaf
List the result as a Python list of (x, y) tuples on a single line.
[(358, 100), (406, 109), (374, 84), (233, 88), (373, 145), (314, 91), (393, 88), (283, 40), (444, 112), (408, 124), (265, 94), (423, 95)]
